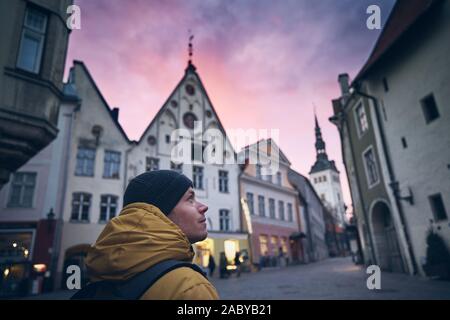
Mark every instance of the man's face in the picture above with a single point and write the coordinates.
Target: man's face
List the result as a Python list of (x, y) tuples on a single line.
[(189, 215)]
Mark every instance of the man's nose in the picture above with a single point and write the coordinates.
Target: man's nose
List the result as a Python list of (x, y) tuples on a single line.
[(203, 208)]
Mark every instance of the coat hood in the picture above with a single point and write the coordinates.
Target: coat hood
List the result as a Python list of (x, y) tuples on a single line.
[(132, 242)]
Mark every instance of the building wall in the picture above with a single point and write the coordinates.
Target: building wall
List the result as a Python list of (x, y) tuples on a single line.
[(93, 111), (331, 191), (420, 68)]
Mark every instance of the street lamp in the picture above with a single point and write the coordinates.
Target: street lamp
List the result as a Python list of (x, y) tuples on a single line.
[(396, 190)]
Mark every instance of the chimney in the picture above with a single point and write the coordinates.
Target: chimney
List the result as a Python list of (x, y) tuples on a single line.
[(115, 114), (343, 83)]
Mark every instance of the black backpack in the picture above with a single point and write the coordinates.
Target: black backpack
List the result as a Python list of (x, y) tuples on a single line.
[(133, 288)]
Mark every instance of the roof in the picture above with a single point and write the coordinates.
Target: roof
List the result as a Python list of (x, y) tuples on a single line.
[(404, 15), (270, 142), (322, 164), (85, 69), (296, 179), (191, 69)]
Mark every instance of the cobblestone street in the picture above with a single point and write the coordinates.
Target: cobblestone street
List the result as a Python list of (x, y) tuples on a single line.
[(336, 278)]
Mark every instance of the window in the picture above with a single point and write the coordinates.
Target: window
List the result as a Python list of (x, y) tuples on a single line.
[(223, 181), (81, 203), (404, 143), (429, 108), (167, 138), (250, 203), (281, 209), (290, 214), (361, 119), (385, 85), (320, 179), (263, 244), (198, 177), (437, 207), (258, 171), (111, 167), (197, 151), (152, 164), (261, 206), (85, 162), (22, 190), (108, 207), (279, 178), (272, 208), (324, 178), (269, 178), (274, 242), (176, 167), (315, 180), (284, 245), (224, 219), (32, 40), (371, 167)]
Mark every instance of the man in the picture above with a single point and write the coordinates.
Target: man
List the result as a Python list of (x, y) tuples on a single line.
[(160, 220)]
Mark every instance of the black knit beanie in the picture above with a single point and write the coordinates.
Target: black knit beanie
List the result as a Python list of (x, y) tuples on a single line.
[(161, 188)]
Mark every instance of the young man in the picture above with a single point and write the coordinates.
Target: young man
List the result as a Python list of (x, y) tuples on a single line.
[(160, 220)]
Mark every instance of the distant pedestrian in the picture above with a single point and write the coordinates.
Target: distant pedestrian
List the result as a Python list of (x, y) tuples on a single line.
[(237, 263), (211, 265), (223, 266)]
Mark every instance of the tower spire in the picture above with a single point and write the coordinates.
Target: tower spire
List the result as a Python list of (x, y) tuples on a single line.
[(322, 162), (190, 48), (320, 144)]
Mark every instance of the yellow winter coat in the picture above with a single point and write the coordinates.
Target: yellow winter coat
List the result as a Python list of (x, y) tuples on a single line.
[(138, 238)]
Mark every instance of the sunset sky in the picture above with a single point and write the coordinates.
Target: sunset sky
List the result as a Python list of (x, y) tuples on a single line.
[(263, 63)]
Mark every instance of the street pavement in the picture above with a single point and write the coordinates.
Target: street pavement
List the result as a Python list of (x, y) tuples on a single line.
[(336, 278)]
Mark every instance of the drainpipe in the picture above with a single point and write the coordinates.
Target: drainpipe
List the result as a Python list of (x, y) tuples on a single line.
[(59, 221), (393, 183)]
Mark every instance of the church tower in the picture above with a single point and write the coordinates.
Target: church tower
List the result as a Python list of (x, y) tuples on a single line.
[(324, 176)]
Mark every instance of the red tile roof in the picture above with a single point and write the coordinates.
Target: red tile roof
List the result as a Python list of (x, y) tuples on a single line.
[(404, 14)]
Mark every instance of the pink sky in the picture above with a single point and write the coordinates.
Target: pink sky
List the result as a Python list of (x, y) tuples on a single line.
[(263, 63)]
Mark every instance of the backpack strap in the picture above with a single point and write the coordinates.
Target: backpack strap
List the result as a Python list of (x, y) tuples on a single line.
[(135, 287)]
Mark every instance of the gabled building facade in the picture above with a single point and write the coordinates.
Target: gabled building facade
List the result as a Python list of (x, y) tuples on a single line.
[(271, 207)]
